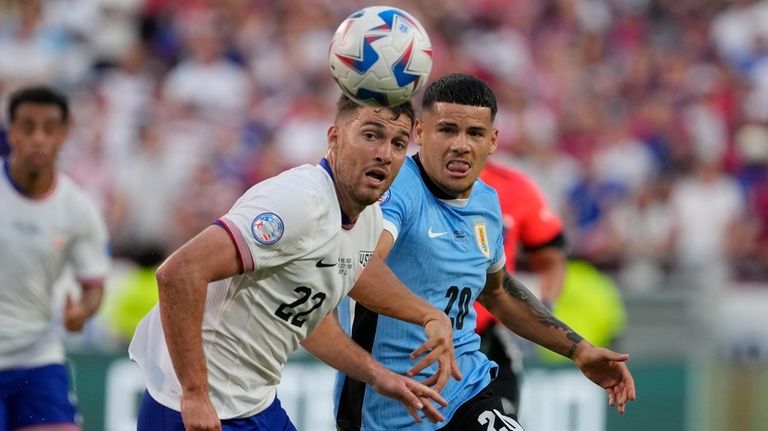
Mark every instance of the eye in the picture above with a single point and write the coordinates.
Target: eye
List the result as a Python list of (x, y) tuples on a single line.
[(369, 136), (400, 145)]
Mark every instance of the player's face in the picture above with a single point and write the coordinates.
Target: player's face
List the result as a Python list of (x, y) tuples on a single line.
[(36, 134), (367, 149), (455, 141)]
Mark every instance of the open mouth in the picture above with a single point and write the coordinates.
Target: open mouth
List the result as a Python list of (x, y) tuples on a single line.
[(378, 175)]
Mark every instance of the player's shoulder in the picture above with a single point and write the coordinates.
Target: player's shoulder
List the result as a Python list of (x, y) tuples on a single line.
[(303, 183), (302, 193), (408, 184)]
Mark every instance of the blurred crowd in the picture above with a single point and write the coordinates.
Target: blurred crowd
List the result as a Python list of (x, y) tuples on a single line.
[(645, 122)]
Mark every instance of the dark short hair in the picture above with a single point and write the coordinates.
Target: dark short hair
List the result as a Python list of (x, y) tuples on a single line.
[(346, 106), (461, 89), (38, 95)]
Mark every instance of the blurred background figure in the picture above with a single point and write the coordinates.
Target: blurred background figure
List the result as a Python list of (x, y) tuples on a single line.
[(47, 225)]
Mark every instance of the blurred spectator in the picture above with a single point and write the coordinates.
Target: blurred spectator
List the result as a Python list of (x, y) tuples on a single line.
[(709, 207), (644, 227), (205, 82), (752, 145)]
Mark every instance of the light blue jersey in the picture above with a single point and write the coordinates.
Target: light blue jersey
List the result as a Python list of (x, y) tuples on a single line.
[(443, 251)]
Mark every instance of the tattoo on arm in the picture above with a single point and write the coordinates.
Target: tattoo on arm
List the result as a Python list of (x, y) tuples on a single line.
[(518, 291)]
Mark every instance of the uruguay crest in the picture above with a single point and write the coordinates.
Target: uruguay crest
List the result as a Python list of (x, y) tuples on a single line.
[(481, 235)]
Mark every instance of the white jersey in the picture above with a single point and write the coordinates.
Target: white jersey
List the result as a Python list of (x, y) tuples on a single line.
[(38, 238), (298, 263)]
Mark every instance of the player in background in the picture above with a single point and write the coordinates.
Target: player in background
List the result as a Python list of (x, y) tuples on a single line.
[(239, 298), (443, 238), (530, 226), (46, 223)]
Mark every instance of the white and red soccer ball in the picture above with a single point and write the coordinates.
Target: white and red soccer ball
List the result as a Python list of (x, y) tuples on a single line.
[(380, 56)]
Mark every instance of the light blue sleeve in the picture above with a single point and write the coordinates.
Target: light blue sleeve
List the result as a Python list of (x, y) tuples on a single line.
[(499, 258), (399, 202)]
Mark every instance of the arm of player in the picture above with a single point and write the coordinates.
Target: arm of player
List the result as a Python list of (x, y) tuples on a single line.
[(182, 285), (521, 312), (379, 290), (549, 264), (330, 344), (77, 313)]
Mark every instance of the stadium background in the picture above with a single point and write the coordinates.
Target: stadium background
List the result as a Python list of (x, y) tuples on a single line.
[(645, 122)]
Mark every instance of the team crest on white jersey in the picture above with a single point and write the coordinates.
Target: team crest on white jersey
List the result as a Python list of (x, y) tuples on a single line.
[(267, 228), (481, 235)]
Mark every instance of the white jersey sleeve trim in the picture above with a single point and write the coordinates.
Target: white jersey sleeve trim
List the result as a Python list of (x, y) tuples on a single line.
[(391, 228), (246, 258)]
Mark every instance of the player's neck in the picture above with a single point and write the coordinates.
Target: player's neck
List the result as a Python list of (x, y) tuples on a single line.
[(349, 210), (33, 183)]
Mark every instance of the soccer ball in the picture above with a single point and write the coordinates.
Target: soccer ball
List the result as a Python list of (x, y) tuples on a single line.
[(380, 56)]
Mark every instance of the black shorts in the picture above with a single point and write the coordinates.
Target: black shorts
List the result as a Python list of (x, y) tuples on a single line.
[(483, 412)]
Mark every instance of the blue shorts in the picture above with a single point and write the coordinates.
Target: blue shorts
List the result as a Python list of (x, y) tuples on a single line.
[(154, 416), (36, 396)]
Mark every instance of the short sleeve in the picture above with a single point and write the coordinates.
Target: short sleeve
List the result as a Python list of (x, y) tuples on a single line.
[(90, 250), (499, 258), (273, 224), (398, 202)]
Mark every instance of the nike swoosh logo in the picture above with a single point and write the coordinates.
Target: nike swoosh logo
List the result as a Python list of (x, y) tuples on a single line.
[(435, 234), (321, 264)]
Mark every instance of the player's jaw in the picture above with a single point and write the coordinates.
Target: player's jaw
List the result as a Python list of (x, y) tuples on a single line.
[(374, 182)]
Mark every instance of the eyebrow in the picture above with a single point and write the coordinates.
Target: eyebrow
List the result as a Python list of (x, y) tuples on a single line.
[(443, 123), (380, 125)]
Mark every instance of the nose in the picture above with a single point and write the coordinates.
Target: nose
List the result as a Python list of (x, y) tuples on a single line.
[(384, 152), (461, 145)]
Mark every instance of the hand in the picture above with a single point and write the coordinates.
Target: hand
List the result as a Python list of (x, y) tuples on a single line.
[(439, 344), (198, 413), (609, 370), (75, 315), (414, 395)]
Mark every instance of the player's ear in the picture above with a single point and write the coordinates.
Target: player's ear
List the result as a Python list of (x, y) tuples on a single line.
[(333, 137), (494, 141), (418, 129)]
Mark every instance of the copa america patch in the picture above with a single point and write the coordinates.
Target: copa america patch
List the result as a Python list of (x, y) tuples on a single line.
[(384, 197), (267, 228)]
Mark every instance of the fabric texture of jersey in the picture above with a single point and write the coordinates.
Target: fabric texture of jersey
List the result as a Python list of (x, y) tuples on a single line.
[(443, 251), (39, 237), (298, 264), (528, 220)]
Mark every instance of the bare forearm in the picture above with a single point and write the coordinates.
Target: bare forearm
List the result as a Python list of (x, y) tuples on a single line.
[(379, 290), (522, 312), (330, 344), (91, 298), (550, 266), (181, 310)]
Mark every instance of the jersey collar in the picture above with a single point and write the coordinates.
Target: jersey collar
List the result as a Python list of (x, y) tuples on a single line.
[(19, 190)]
